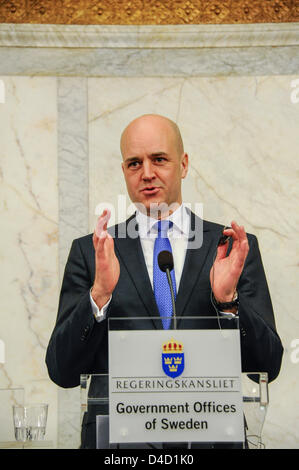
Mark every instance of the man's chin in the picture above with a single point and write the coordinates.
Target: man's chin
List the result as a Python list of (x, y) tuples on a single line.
[(156, 208)]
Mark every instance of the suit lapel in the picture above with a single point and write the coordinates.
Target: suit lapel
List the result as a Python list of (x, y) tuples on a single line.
[(195, 259), (131, 254)]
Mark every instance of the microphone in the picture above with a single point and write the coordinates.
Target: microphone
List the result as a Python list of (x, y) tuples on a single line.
[(165, 262)]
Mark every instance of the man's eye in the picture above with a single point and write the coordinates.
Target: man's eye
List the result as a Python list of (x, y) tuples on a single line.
[(133, 164), (160, 159)]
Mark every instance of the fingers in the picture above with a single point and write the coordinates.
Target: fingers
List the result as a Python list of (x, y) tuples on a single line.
[(240, 246), (236, 232), (241, 236), (240, 243), (239, 230), (221, 251), (100, 233), (101, 226)]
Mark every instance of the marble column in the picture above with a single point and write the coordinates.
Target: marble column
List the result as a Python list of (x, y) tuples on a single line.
[(73, 183)]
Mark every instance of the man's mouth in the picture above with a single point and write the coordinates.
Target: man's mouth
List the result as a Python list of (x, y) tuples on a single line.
[(150, 190)]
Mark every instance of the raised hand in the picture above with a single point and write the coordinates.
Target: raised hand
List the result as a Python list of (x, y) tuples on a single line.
[(106, 263), (226, 270)]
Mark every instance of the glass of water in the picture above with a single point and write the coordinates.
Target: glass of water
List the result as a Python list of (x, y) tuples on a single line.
[(30, 421)]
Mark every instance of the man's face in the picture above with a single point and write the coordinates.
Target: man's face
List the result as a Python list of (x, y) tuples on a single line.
[(153, 165)]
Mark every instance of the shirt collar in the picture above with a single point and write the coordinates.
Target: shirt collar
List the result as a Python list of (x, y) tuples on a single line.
[(180, 219)]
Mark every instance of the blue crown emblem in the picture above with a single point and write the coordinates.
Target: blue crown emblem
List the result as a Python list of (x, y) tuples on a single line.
[(173, 358)]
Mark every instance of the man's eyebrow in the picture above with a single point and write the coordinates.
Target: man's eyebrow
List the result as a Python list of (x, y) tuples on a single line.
[(131, 159), (158, 154), (154, 154)]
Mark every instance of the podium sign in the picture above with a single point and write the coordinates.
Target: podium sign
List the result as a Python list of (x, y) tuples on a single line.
[(175, 386)]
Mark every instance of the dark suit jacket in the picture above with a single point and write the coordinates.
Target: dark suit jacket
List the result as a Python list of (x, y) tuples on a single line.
[(80, 345)]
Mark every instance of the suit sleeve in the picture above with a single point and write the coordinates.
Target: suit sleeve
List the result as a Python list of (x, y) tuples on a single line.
[(76, 337), (260, 344)]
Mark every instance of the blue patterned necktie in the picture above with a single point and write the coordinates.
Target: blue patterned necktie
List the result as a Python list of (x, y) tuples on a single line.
[(161, 286)]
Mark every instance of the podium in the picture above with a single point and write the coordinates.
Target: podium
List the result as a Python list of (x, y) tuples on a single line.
[(179, 388)]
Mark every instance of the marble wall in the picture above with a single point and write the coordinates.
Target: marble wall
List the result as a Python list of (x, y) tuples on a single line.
[(64, 110), (29, 248)]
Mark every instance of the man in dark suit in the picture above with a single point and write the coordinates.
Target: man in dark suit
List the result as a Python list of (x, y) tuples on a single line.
[(112, 276)]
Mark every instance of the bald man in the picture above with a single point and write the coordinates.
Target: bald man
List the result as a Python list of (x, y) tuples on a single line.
[(108, 277)]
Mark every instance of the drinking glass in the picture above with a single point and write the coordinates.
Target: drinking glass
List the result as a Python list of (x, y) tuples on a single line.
[(30, 421)]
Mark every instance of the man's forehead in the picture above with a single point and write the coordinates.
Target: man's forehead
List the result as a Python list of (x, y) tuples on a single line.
[(148, 129), (148, 123)]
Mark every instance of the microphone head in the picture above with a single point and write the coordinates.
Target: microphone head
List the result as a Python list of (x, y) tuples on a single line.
[(165, 260)]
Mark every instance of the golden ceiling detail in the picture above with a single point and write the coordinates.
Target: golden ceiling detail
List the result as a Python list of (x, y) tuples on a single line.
[(146, 12)]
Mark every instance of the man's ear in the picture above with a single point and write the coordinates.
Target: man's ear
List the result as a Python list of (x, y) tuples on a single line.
[(184, 165)]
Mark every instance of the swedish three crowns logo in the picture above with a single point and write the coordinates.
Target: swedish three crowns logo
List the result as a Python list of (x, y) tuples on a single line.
[(173, 358)]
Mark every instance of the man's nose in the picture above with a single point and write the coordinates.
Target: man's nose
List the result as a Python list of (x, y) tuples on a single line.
[(148, 171)]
